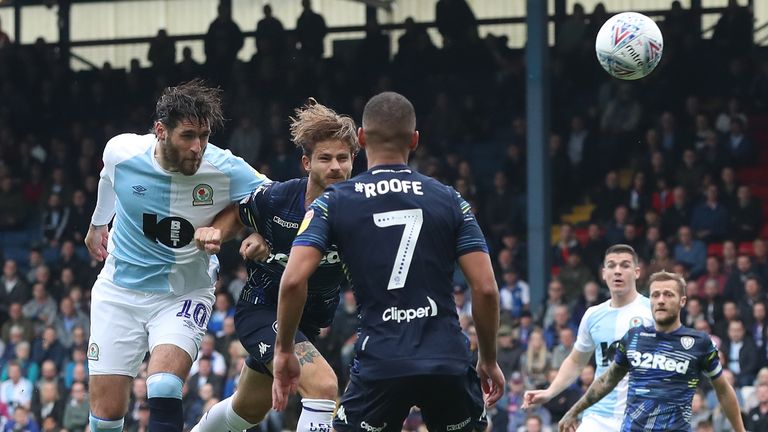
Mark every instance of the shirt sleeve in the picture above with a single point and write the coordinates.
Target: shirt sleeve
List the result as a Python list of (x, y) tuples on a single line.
[(620, 357), (106, 197), (710, 362), (469, 235), (584, 341), (243, 179), (315, 229), (253, 207)]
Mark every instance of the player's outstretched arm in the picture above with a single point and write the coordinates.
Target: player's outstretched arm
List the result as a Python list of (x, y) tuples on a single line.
[(478, 271), (599, 388), (302, 263), (566, 375), (727, 397)]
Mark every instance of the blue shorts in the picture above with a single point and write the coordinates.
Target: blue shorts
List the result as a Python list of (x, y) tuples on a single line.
[(447, 403), (256, 327)]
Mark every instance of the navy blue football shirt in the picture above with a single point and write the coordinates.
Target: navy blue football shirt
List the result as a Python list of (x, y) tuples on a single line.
[(399, 233), (275, 210), (664, 371)]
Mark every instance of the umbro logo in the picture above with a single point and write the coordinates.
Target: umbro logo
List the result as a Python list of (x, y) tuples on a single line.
[(138, 189)]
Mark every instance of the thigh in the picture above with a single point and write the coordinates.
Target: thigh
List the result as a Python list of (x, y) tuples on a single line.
[(453, 402), (375, 406), (109, 395), (118, 338), (180, 321)]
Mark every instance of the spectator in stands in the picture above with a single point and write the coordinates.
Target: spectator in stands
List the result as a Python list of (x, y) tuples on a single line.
[(205, 375), (562, 320), (48, 347), (690, 173), (734, 287), (590, 296), (208, 349), (566, 244), (514, 295), (34, 261), (13, 212), (555, 297), (677, 215), (162, 52), (41, 309), (510, 415), (573, 276), (536, 361), (29, 369), (710, 218), (79, 217), (733, 31), (692, 253), (48, 403), (455, 21), (713, 274), (523, 331), (13, 287), (741, 353), (222, 42), (311, 31), (619, 120), (270, 34), (566, 339), (608, 197), (746, 215), (16, 391), (758, 416), (508, 352), (68, 320), (712, 301), (138, 400), (614, 231), (222, 308), (594, 250), (17, 318), (693, 311), (68, 258), (500, 210), (142, 422), (758, 328), (246, 138), (22, 421), (740, 147), (753, 294), (76, 410), (55, 220)]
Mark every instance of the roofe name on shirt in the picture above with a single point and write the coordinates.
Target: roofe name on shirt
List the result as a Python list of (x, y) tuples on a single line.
[(389, 186)]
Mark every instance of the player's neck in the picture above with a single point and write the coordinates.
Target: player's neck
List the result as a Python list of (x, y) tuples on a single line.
[(669, 328), (618, 301), (313, 191), (384, 157)]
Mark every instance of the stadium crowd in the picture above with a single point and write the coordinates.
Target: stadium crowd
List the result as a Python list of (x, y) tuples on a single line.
[(666, 164)]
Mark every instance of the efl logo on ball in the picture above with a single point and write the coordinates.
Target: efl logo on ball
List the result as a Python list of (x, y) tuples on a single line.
[(629, 45)]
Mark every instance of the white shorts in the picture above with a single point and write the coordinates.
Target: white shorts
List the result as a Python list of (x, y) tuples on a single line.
[(125, 324), (596, 423)]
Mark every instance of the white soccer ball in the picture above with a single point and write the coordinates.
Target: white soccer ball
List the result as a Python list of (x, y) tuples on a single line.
[(629, 45)]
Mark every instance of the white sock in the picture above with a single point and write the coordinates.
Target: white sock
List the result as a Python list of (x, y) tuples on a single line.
[(316, 415), (221, 418)]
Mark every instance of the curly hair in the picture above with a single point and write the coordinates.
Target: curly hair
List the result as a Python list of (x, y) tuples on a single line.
[(315, 123), (192, 101)]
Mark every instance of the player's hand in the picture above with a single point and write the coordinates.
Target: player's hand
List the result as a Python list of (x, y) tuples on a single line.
[(533, 398), (208, 239), (96, 241), (568, 423), (492, 382), (286, 371), (254, 248)]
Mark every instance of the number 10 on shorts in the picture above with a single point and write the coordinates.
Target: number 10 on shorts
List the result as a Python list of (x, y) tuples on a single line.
[(199, 315)]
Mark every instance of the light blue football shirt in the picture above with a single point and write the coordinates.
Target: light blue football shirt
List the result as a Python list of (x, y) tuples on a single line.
[(601, 330), (151, 247)]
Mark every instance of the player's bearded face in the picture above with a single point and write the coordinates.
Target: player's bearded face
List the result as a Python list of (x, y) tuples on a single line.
[(331, 162), (665, 302), (184, 146)]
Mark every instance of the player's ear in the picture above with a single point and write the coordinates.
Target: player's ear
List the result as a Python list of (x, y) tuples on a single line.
[(361, 137), (159, 130), (683, 301), (414, 141), (306, 162)]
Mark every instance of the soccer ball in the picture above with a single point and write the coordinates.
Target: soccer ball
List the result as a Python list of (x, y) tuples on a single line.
[(629, 45)]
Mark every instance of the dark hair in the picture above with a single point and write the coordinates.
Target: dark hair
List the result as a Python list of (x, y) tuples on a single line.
[(663, 276), (389, 118), (192, 101), (623, 248), (315, 122)]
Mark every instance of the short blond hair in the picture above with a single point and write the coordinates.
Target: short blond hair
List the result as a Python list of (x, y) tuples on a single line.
[(315, 122), (663, 276)]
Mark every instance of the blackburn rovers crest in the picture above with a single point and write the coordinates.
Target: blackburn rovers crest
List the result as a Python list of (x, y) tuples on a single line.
[(635, 322), (202, 195)]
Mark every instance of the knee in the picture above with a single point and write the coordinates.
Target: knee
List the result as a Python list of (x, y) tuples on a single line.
[(164, 385), (325, 387)]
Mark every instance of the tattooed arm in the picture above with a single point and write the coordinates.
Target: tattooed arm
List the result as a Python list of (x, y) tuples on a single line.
[(599, 388)]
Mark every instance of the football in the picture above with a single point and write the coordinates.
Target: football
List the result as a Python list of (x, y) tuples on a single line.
[(629, 45)]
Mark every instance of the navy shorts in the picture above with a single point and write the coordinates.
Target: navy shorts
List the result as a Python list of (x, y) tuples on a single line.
[(256, 327), (447, 403)]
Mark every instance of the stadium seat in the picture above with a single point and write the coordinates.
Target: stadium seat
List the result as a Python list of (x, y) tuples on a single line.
[(746, 248), (715, 249)]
